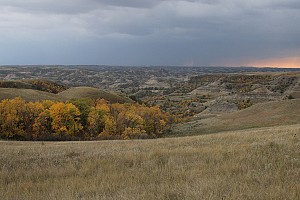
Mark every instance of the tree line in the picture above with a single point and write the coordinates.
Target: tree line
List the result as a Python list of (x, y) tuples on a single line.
[(80, 119), (35, 84)]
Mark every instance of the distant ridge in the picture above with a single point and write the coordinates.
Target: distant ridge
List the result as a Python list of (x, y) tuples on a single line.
[(39, 90)]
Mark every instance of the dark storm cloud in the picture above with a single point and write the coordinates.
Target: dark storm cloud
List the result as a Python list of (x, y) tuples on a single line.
[(201, 32)]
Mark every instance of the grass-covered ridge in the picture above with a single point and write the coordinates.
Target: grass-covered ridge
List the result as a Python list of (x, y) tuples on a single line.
[(268, 114), (93, 93), (43, 89), (28, 94), (253, 164)]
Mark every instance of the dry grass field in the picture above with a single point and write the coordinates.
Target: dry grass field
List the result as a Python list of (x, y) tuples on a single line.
[(28, 94), (76, 92), (268, 114), (93, 93), (261, 163)]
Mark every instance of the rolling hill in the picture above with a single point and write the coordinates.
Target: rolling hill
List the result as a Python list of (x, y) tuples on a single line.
[(93, 93), (25, 91), (28, 94), (259, 115)]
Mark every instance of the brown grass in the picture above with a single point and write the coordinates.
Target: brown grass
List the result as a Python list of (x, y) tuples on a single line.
[(77, 92), (254, 164), (28, 94), (259, 115), (93, 93)]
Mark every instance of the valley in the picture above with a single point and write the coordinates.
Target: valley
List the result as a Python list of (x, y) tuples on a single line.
[(183, 91), (221, 133)]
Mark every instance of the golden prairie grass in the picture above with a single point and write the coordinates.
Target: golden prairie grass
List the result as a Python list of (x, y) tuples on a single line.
[(28, 94), (259, 115), (76, 92), (253, 164), (93, 93)]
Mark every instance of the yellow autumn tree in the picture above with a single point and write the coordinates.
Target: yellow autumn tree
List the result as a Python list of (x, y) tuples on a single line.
[(155, 120), (58, 120), (133, 122), (102, 104), (31, 111), (42, 127), (95, 121), (109, 131), (97, 117), (11, 118), (118, 112), (47, 103), (65, 119)]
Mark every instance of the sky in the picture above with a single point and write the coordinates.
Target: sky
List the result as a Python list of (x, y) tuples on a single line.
[(263, 33)]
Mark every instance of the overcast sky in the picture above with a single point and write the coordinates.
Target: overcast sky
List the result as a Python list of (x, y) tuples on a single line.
[(151, 32)]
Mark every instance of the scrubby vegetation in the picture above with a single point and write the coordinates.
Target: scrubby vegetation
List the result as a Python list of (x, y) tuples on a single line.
[(35, 84), (79, 119)]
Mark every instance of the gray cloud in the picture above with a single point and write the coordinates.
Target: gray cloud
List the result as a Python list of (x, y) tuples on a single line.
[(288, 4), (202, 32)]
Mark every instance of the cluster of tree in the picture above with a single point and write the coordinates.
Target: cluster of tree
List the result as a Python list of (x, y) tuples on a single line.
[(45, 85), (14, 84), (80, 119), (35, 84)]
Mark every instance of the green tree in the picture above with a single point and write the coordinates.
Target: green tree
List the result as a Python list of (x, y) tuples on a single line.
[(84, 106)]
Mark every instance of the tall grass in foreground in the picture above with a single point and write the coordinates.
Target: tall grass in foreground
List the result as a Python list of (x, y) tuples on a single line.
[(253, 164)]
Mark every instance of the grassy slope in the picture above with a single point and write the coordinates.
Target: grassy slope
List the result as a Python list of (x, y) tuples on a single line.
[(93, 93), (251, 164), (27, 94), (260, 115), (78, 92)]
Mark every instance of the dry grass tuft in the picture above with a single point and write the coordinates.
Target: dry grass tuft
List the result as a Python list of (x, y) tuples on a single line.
[(252, 164)]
